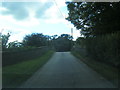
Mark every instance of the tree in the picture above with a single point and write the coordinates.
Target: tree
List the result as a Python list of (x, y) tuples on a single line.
[(15, 44), (35, 40), (99, 23), (93, 18), (63, 42), (5, 39), (54, 37)]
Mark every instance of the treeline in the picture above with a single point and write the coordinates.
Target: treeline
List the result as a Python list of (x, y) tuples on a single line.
[(99, 23), (62, 43), (59, 43), (29, 41), (104, 48), (32, 46)]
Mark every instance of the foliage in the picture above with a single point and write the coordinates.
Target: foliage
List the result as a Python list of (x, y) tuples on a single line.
[(99, 23), (34, 45), (105, 48), (81, 41), (105, 70), (5, 39), (15, 44), (35, 39), (94, 18), (21, 71), (17, 55), (63, 42), (60, 43)]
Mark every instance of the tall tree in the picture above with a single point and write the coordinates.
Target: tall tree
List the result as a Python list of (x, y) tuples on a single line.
[(63, 42), (15, 44), (5, 39), (94, 18), (35, 39)]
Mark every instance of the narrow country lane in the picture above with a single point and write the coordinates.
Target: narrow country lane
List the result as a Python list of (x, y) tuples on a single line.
[(63, 70)]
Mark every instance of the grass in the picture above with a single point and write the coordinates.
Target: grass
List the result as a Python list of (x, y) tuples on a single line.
[(107, 71), (14, 75)]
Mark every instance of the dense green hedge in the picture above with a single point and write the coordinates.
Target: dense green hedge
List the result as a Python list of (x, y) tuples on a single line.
[(13, 56), (105, 48)]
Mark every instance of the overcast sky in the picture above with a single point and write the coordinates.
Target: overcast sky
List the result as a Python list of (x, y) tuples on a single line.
[(22, 18)]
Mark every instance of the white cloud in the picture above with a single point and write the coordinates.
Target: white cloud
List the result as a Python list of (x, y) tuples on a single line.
[(2, 9), (29, 23), (17, 30), (42, 10), (18, 36), (21, 10), (20, 28), (54, 14), (61, 3)]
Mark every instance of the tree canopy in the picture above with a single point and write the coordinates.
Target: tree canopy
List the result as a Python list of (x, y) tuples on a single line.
[(5, 39), (35, 40), (93, 18), (15, 44), (63, 42), (59, 43)]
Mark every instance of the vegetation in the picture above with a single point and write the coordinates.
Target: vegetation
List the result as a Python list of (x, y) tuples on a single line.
[(32, 46), (93, 18), (22, 59), (38, 40), (5, 39), (35, 40), (15, 44), (99, 23), (107, 71), (17, 55), (15, 75), (105, 49), (63, 43)]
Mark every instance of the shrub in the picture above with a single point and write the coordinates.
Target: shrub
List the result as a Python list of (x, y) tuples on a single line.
[(105, 48)]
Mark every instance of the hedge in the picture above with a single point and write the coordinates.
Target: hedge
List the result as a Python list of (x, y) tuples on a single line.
[(105, 48), (13, 56)]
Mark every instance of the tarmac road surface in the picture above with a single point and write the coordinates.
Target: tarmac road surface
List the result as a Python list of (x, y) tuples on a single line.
[(63, 70)]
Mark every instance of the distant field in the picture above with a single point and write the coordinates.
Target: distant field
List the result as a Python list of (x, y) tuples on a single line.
[(15, 75)]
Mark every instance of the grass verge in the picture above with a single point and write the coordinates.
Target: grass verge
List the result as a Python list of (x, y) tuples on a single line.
[(107, 71), (15, 75)]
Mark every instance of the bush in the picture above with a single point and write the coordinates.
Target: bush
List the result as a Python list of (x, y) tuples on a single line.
[(105, 48)]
